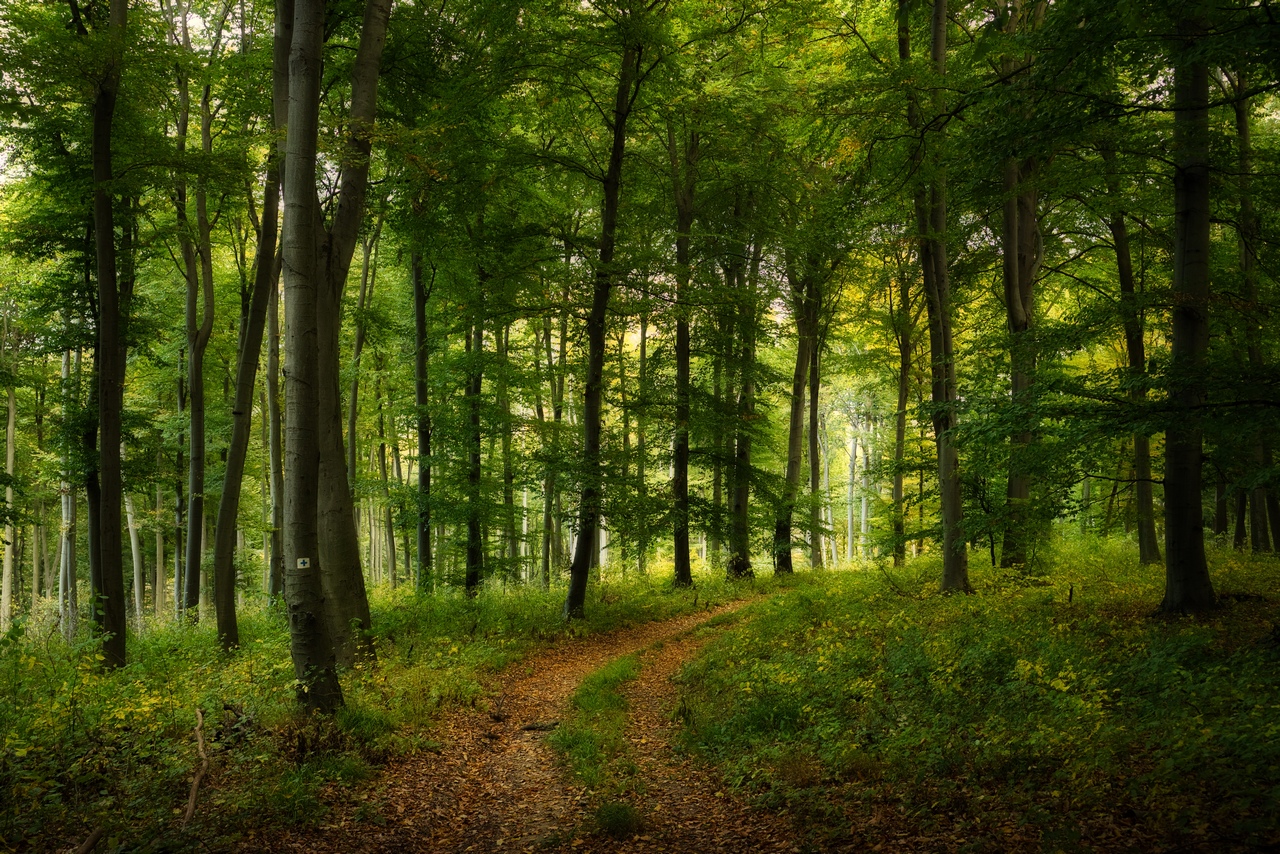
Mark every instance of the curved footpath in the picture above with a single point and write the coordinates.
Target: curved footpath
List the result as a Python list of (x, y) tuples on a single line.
[(495, 785)]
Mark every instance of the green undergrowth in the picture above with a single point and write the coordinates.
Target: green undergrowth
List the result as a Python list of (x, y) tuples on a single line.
[(592, 744), (591, 741), (1052, 712), (82, 749)]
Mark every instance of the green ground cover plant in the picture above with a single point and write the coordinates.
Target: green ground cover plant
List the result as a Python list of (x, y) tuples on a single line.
[(82, 748), (591, 741), (1049, 711)]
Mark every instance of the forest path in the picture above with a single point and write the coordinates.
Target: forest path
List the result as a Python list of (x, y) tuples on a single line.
[(495, 785)]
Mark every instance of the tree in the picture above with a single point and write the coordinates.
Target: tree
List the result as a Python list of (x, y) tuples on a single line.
[(1187, 583)]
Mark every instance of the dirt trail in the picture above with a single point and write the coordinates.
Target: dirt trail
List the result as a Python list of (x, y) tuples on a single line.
[(495, 785)]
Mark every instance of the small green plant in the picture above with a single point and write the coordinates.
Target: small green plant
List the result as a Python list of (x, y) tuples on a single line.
[(618, 820), (592, 741)]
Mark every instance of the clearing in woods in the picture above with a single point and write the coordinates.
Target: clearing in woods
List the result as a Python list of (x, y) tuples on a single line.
[(495, 785)]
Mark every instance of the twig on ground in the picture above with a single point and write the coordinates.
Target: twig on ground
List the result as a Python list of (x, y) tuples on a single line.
[(204, 767), (92, 842)]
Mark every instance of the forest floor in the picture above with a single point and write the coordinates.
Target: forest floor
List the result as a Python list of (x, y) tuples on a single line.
[(495, 784)]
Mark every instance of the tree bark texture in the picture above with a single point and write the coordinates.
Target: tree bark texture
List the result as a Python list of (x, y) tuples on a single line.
[(106, 485), (1187, 583), (310, 641)]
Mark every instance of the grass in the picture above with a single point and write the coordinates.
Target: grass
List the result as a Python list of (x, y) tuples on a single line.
[(591, 740), (1042, 713), (81, 748)]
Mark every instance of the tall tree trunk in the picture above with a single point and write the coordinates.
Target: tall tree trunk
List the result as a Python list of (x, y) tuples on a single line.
[(275, 577), (10, 442), (389, 528), (589, 504), (135, 551), (739, 563), (161, 576), (903, 333), (421, 397), (345, 596), (224, 579), (815, 461), (106, 487), (642, 486), (683, 156), (475, 378), (853, 486), (68, 573), (1247, 234), (368, 278), (512, 540), (1022, 252), (1135, 347), (804, 306), (930, 204), (1187, 584), (310, 641)]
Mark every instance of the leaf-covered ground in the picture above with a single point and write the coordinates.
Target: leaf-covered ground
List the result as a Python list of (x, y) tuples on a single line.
[(495, 784)]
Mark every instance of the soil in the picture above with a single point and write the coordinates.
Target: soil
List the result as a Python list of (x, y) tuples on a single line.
[(495, 784)]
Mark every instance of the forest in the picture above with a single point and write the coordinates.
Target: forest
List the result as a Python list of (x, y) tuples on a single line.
[(870, 402)]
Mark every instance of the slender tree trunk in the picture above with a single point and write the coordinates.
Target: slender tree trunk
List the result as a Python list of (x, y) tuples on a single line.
[(475, 378), (1021, 251), (853, 486), (903, 333), (815, 459), (275, 578), (512, 541), (1187, 584), (6, 585), (1135, 346), (342, 577), (642, 486), (68, 573), (310, 641), (931, 227), (224, 578), (135, 550), (683, 156), (421, 396), (804, 300), (739, 563), (589, 505), (106, 487), (389, 529), (368, 278), (162, 576)]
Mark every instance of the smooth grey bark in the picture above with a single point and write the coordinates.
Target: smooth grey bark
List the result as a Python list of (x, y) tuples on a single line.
[(1187, 584), (345, 595), (310, 641)]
